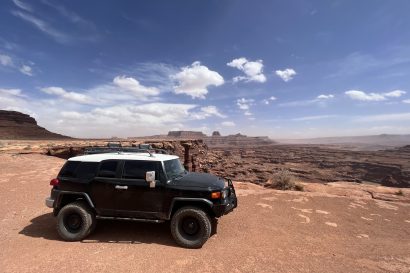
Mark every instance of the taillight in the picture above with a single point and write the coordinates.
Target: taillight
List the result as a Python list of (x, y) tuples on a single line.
[(54, 182)]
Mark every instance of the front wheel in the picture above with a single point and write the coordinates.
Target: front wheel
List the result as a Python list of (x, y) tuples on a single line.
[(191, 227), (75, 221)]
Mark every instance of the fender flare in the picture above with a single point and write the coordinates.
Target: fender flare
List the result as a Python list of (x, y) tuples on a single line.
[(188, 200), (61, 194)]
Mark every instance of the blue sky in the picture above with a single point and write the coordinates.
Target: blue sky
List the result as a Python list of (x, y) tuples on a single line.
[(286, 69)]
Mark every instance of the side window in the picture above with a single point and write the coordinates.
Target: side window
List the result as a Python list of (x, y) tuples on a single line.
[(137, 169), (69, 169), (87, 170), (108, 168)]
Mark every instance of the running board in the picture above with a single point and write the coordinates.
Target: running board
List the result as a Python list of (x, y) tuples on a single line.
[(130, 219)]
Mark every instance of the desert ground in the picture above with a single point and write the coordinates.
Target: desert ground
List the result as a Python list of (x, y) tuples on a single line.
[(328, 228)]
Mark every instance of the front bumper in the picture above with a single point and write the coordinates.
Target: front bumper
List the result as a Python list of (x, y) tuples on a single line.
[(50, 202), (228, 204), (226, 207)]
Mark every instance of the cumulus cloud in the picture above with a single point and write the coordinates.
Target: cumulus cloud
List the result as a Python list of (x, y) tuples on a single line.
[(13, 63), (287, 74), (395, 93), (128, 119), (363, 96), (195, 79), (268, 100), (132, 85), (244, 104), (13, 99), (253, 70), (71, 96), (325, 97), (228, 124), (406, 101), (26, 70), (11, 92), (6, 60), (211, 110)]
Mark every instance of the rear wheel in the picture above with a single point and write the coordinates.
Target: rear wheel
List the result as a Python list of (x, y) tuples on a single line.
[(191, 227), (75, 221)]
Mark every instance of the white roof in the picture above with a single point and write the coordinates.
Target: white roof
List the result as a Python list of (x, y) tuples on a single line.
[(123, 156)]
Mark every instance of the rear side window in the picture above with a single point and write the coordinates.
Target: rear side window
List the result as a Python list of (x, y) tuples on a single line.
[(86, 170), (137, 169), (108, 168), (69, 169)]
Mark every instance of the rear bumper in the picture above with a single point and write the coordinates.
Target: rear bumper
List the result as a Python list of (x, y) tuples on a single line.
[(49, 202)]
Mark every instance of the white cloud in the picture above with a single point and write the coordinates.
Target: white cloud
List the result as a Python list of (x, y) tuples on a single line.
[(132, 85), (287, 74), (325, 97), (194, 80), (72, 96), (13, 99), (23, 5), (268, 100), (395, 93), (11, 92), (244, 104), (127, 119), (385, 117), (42, 26), (406, 101), (363, 96), (211, 110), (6, 60), (26, 70), (228, 124), (253, 70)]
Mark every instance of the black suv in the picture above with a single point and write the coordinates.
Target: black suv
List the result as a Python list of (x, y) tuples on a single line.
[(139, 186)]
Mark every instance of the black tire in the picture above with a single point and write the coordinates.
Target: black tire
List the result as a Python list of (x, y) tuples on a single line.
[(191, 227), (75, 221)]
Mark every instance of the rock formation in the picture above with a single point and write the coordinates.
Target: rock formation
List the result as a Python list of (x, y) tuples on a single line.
[(16, 125), (186, 134)]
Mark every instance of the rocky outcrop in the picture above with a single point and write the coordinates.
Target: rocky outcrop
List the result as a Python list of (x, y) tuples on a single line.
[(16, 125)]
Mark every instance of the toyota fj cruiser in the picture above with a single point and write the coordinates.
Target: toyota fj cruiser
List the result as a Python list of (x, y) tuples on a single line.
[(141, 186)]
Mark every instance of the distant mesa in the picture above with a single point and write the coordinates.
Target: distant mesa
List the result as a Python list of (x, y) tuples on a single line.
[(217, 140), (186, 134), (16, 125)]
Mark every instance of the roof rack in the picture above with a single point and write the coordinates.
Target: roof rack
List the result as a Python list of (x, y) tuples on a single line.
[(142, 148)]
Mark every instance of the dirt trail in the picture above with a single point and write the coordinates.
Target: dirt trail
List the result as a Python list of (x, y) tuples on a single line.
[(271, 231)]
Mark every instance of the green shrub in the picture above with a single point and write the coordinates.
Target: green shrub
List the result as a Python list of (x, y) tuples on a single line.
[(284, 180)]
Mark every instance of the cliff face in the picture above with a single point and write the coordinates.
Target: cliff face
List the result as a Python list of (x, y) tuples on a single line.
[(16, 125)]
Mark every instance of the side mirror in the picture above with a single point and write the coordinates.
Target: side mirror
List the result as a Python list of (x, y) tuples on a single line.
[(150, 178)]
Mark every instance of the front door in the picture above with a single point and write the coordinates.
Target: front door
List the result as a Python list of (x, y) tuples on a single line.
[(138, 199)]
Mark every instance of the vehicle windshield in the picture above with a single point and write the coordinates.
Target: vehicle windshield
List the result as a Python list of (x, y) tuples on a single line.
[(174, 168)]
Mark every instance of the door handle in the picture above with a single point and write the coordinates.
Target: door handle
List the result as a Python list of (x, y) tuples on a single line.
[(118, 187)]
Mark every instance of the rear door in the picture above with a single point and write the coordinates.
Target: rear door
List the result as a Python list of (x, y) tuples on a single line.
[(104, 188), (139, 200)]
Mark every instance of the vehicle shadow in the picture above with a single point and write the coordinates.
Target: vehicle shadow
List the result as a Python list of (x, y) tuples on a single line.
[(107, 231)]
